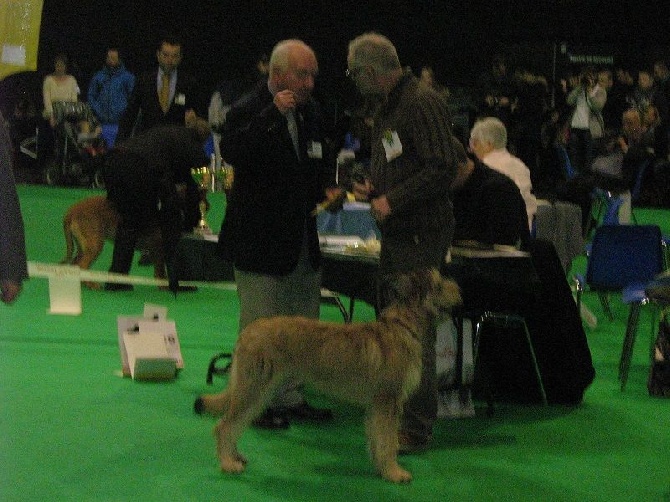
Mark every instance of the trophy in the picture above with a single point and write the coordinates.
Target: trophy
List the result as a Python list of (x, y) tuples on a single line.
[(203, 177)]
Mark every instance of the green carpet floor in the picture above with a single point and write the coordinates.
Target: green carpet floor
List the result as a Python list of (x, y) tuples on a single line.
[(72, 429)]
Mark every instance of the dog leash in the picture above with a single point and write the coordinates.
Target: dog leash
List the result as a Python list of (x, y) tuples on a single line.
[(213, 370)]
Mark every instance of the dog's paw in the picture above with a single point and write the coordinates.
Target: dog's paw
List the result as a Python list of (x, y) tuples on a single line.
[(241, 458), (233, 465), (397, 474)]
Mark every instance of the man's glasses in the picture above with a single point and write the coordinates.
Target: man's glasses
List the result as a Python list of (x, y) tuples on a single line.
[(353, 72)]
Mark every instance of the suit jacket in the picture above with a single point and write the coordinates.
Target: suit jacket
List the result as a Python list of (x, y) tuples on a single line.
[(268, 211), (147, 167), (144, 110)]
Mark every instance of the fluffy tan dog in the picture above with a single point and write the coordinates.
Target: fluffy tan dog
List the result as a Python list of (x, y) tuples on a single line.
[(375, 364), (91, 221)]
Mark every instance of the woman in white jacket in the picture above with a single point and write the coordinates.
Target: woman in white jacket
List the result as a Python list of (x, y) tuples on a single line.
[(586, 123)]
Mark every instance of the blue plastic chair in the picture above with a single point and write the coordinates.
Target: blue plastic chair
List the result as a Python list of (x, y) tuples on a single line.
[(623, 258)]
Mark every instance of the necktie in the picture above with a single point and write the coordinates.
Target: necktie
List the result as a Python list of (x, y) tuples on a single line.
[(164, 94), (293, 131)]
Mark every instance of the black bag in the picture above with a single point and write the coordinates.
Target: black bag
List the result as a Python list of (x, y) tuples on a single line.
[(659, 373)]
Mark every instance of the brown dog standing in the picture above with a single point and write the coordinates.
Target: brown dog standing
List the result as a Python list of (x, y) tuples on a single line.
[(374, 364), (91, 221)]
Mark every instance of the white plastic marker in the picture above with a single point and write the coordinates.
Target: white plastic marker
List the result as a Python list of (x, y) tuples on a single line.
[(65, 284)]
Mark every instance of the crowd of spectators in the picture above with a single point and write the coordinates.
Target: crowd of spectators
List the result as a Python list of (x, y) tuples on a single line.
[(582, 112)]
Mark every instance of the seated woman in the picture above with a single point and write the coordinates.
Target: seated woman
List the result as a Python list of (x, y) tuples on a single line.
[(490, 212), (488, 207)]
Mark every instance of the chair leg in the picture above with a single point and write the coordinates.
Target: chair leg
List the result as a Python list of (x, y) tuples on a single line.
[(505, 319), (479, 326), (628, 343), (331, 298), (605, 302), (578, 295), (592, 221), (535, 365)]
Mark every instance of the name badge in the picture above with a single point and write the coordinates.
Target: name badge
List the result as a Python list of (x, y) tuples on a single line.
[(315, 150), (392, 145), (180, 99)]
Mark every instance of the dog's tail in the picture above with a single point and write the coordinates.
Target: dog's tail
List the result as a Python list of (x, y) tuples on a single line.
[(212, 404), (69, 239)]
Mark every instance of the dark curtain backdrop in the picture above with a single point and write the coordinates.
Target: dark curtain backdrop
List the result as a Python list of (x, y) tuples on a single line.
[(223, 37)]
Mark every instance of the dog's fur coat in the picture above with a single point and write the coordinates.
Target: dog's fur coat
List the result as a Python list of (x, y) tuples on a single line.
[(375, 364), (91, 221)]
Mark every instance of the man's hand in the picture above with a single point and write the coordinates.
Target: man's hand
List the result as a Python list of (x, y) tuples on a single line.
[(190, 117), (285, 101), (10, 291), (380, 208)]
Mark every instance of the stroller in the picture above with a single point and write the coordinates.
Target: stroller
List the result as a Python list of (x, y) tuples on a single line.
[(79, 147)]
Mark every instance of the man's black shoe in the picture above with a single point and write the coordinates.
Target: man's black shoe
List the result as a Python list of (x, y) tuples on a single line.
[(272, 419), (307, 412), (116, 286)]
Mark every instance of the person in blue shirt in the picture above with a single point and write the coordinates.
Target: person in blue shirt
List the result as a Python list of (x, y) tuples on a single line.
[(108, 94)]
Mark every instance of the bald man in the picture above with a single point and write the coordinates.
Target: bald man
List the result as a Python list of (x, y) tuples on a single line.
[(273, 138)]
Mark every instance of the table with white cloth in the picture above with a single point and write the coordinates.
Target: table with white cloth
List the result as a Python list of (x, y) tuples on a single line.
[(347, 271)]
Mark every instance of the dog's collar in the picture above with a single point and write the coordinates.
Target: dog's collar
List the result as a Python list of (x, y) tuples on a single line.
[(409, 327)]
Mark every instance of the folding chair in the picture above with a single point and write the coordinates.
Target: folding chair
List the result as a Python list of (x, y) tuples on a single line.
[(492, 320), (623, 258), (654, 292), (329, 297)]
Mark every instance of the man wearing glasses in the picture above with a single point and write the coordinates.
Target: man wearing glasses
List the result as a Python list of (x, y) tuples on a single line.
[(412, 167)]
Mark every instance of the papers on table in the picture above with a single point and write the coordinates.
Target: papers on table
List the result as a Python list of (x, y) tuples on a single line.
[(356, 206), (340, 241)]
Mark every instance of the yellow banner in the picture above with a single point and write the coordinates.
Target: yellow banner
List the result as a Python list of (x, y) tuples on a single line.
[(19, 35)]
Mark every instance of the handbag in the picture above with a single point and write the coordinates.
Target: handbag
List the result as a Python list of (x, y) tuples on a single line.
[(659, 372)]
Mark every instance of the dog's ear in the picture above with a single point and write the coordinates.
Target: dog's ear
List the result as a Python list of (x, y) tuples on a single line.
[(451, 290), (408, 288), (397, 288)]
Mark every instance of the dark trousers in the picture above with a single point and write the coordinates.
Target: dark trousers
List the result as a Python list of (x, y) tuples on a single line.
[(402, 254), (581, 149), (136, 198)]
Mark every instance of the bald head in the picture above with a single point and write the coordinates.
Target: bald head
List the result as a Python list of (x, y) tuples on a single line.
[(293, 66)]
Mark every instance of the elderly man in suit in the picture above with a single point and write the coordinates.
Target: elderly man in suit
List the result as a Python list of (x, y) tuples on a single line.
[(163, 96), (273, 138)]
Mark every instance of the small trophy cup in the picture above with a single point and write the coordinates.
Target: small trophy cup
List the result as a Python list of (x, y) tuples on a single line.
[(203, 177)]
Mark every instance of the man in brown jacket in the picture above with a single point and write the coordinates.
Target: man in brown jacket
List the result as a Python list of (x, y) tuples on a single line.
[(412, 167)]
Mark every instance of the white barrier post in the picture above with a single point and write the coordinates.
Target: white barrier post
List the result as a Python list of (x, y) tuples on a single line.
[(64, 286)]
